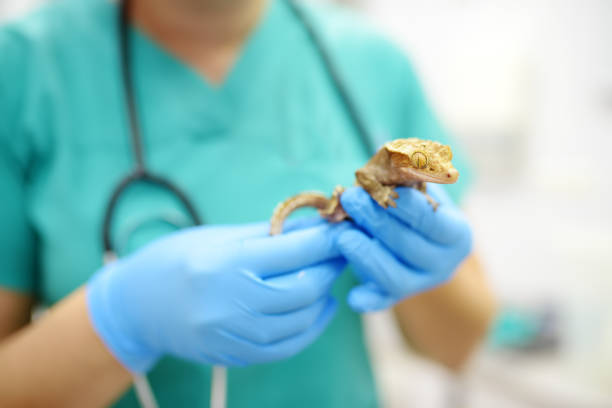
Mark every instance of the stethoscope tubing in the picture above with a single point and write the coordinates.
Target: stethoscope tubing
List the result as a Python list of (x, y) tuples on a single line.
[(139, 176), (141, 172)]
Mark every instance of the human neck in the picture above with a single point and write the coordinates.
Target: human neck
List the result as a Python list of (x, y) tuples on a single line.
[(205, 34)]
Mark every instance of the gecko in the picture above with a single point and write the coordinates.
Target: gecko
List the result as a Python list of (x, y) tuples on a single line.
[(401, 162)]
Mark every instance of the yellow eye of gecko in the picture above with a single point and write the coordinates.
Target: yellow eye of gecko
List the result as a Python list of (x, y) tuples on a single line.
[(419, 160)]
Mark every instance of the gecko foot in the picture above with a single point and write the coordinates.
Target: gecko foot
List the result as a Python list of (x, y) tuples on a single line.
[(434, 204), (334, 212), (422, 187), (384, 196)]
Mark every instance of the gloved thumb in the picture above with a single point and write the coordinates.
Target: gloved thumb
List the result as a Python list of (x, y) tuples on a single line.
[(368, 298)]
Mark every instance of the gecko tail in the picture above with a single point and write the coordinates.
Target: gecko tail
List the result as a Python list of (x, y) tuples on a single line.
[(329, 208), (284, 209)]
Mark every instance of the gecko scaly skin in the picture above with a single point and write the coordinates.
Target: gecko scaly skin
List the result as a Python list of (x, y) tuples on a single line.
[(401, 162)]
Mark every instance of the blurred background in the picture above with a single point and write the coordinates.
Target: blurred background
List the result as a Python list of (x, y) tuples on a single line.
[(526, 88)]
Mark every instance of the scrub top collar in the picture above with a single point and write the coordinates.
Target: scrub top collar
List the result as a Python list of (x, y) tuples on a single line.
[(154, 65)]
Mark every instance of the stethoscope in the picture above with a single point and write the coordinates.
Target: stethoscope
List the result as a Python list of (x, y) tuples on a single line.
[(141, 174)]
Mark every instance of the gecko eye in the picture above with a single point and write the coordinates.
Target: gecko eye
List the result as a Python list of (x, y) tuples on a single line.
[(419, 160)]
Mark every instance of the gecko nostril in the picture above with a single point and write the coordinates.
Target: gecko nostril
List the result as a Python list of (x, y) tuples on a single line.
[(448, 175)]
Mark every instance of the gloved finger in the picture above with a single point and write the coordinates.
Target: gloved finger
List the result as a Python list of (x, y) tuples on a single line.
[(222, 233), (444, 226), (269, 256), (245, 350), (369, 298), (372, 259), (223, 359), (264, 329), (293, 224), (407, 244), (227, 233), (299, 289), (260, 229)]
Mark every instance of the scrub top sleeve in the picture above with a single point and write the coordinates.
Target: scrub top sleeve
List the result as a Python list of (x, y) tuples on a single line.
[(417, 119), (17, 248)]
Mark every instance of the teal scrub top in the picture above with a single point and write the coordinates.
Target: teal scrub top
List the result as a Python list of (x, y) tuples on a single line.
[(273, 128)]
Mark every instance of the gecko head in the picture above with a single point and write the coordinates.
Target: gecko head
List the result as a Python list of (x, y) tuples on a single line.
[(423, 160)]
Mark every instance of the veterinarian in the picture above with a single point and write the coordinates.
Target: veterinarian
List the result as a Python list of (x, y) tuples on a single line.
[(144, 145)]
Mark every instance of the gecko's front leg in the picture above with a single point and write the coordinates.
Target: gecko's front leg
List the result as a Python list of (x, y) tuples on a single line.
[(382, 194), (422, 187)]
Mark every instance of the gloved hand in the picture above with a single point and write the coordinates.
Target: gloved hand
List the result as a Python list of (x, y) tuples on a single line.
[(398, 252), (229, 295)]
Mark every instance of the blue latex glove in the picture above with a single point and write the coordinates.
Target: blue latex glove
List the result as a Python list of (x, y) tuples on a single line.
[(228, 295), (398, 252)]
